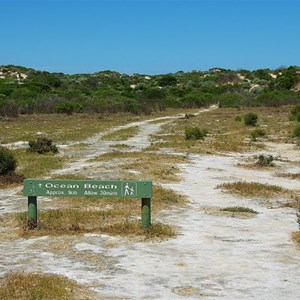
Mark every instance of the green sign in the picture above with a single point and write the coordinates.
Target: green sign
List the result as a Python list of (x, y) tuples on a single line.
[(88, 188)]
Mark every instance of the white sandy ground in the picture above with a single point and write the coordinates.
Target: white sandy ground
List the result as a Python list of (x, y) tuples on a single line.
[(213, 257)]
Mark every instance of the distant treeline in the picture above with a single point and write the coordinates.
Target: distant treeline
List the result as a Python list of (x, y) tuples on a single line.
[(27, 91)]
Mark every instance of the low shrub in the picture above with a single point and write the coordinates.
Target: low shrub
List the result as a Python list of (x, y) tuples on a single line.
[(250, 119), (296, 132), (257, 133), (68, 108), (8, 162), (11, 179), (42, 145), (295, 114), (264, 160), (195, 133), (238, 119)]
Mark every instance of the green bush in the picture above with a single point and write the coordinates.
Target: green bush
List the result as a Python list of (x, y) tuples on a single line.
[(257, 133), (295, 114), (230, 100), (264, 160), (195, 133), (250, 119), (42, 145), (296, 132), (8, 162), (68, 108), (238, 119)]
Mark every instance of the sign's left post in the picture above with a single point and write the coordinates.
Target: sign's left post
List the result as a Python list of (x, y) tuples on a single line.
[(32, 211)]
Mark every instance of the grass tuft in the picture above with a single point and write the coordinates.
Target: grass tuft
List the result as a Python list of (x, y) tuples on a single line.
[(296, 237), (252, 189), (40, 286), (239, 209)]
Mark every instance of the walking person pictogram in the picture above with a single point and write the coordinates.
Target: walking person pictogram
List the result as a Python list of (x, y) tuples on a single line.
[(128, 191)]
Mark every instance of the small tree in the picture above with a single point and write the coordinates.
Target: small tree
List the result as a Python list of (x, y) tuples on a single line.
[(8, 162), (250, 119)]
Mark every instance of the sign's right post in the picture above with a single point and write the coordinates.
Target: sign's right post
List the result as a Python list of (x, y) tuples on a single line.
[(146, 212)]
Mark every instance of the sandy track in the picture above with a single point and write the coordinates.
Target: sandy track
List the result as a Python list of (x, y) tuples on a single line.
[(213, 257)]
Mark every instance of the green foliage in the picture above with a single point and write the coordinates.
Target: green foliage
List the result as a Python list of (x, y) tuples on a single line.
[(109, 91), (257, 133), (227, 78), (42, 145), (263, 74), (288, 78), (238, 119), (264, 160), (68, 107), (8, 162), (295, 113), (195, 133), (167, 80), (296, 132), (250, 119), (230, 100), (196, 98), (275, 98)]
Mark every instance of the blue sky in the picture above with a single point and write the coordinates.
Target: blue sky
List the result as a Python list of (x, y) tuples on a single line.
[(149, 36)]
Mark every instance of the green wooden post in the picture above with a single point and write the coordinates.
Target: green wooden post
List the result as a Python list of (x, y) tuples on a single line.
[(32, 210), (146, 212)]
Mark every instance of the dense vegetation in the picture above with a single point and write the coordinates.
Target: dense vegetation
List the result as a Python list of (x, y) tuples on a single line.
[(26, 91)]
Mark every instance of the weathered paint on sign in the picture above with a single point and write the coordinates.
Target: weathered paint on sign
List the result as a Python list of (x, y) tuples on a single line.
[(88, 188)]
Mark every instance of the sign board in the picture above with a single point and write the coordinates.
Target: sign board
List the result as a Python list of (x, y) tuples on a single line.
[(88, 188)]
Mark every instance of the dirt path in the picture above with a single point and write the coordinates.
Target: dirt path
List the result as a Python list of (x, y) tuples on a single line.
[(213, 257)]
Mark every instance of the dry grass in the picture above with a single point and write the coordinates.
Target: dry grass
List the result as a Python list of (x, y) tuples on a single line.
[(296, 237), (162, 199), (232, 212), (70, 221), (121, 147), (252, 189), (121, 135), (225, 133), (160, 167), (10, 180), (289, 175), (59, 127), (107, 215), (35, 286), (33, 165)]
